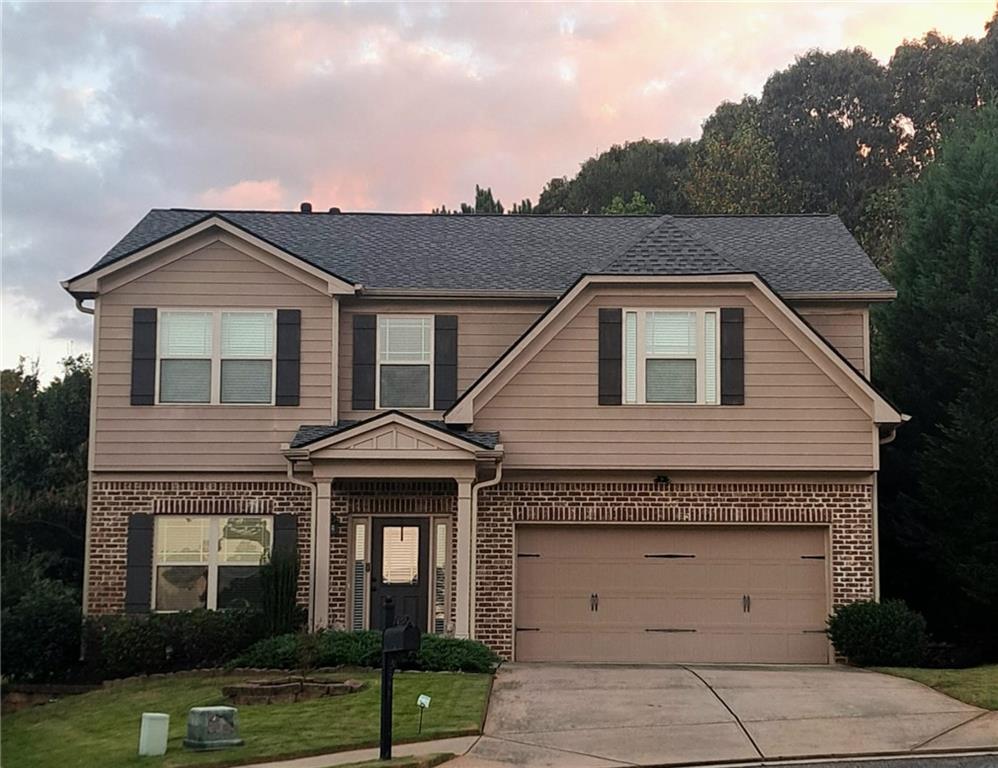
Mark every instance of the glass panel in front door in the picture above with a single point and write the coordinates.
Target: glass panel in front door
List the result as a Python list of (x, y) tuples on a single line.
[(400, 554)]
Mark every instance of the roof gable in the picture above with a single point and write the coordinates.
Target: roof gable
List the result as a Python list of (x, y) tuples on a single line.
[(538, 335), (393, 432), (196, 235)]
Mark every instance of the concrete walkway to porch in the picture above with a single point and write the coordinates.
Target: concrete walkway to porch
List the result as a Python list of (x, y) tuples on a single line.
[(594, 716)]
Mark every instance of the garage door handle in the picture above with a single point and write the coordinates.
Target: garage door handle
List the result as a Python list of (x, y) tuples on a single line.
[(748, 602), (593, 602)]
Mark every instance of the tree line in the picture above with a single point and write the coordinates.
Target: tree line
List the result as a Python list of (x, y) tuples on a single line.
[(834, 132)]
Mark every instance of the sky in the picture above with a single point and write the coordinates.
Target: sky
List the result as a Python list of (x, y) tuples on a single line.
[(109, 110)]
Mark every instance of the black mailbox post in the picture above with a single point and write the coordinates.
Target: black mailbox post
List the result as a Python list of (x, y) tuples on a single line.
[(396, 639)]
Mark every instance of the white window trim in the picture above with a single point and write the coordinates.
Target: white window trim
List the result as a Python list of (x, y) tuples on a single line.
[(701, 356), (378, 363), (214, 544), (216, 358)]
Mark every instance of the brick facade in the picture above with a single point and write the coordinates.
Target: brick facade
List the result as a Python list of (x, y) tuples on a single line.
[(846, 508), (111, 503)]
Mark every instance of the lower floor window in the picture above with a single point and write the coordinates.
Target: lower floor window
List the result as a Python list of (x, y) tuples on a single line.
[(210, 562)]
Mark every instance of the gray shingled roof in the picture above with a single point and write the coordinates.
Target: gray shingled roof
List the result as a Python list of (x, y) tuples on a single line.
[(543, 253), (310, 433)]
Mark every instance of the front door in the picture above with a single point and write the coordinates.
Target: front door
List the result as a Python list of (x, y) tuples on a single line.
[(400, 559)]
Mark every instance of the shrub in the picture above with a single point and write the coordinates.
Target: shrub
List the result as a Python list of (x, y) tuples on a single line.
[(121, 646), (350, 649), (279, 582), (448, 654), (887, 634), (363, 649), (271, 653), (41, 633)]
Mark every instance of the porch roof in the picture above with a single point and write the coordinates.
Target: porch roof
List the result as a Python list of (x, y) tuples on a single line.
[(308, 434)]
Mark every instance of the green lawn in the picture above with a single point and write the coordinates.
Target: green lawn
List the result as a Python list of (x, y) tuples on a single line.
[(102, 728), (977, 685)]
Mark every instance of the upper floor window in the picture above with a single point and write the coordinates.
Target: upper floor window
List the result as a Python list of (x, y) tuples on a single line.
[(405, 359), (216, 356), (671, 356), (210, 562)]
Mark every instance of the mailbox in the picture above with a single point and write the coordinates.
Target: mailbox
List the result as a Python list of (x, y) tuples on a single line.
[(401, 638)]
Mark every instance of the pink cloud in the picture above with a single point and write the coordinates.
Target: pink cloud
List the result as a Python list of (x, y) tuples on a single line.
[(258, 194)]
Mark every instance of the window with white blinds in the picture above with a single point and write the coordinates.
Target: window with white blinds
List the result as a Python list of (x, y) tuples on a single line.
[(185, 351), (670, 357), (210, 562), (440, 539), (247, 357), (400, 554), (216, 356), (358, 576), (405, 360)]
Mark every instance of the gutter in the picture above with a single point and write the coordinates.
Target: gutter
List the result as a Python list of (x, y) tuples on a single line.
[(475, 488), (313, 488)]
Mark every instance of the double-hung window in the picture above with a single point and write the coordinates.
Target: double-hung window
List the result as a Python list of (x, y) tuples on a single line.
[(671, 356), (210, 562), (405, 362), (218, 356)]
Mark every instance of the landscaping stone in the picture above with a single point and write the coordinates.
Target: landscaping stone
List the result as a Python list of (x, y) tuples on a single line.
[(212, 728), (288, 690)]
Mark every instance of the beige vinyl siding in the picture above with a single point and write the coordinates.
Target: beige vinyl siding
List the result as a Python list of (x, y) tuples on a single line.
[(795, 416), (844, 329), (485, 330), (202, 437)]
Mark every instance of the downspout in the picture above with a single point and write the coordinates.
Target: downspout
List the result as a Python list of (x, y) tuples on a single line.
[(83, 309), (475, 488), (313, 488)]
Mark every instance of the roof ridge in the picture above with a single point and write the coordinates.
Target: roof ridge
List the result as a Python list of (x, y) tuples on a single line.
[(418, 214)]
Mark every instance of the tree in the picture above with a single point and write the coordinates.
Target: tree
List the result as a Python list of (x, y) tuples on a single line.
[(830, 118), (933, 80), (735, 169), (43, 438), (484, 203), (636, 205), (656, 169), (523, 207), (937, 356), (554, 196)]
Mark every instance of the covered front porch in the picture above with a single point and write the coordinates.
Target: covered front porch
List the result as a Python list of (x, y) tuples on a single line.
[(393, 515)]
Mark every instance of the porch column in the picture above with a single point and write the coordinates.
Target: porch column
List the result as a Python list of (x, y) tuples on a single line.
[(462, 624), (320, 555)]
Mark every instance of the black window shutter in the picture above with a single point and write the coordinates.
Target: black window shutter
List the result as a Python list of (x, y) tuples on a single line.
[(732, 356), (365, 345), (288, 357), (138, 564), (285, 534), (444, 361), (143, 356), (609, 356)]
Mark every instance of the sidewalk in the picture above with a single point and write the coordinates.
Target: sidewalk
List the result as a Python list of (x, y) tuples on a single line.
[(457, 746)]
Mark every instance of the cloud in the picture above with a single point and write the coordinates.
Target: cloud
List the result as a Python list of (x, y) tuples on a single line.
[(251, 193), (111, 109)]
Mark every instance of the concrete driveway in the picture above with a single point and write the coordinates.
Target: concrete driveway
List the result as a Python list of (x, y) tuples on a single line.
[(582, 716)]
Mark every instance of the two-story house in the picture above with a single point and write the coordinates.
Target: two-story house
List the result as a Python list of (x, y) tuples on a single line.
[(592, 438)]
